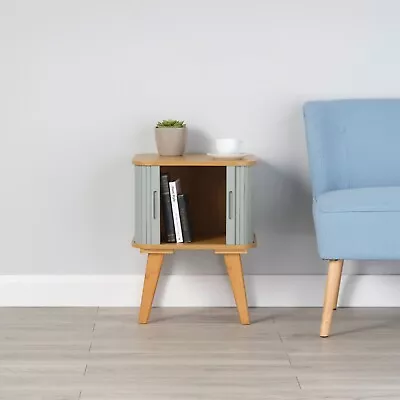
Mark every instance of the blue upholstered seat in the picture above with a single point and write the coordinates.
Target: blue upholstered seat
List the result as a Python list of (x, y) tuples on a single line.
[(361, 223), (354, 155)]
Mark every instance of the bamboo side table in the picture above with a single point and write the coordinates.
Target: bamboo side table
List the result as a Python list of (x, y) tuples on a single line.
[(219, 196)]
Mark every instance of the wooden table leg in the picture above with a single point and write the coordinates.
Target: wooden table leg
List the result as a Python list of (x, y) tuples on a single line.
[(153, 269), (233, 264)]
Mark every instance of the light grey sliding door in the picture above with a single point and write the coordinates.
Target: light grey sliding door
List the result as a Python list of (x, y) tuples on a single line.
[(239, 226), (147, 204)]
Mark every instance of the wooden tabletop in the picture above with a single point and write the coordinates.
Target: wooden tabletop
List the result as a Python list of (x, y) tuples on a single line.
[(190, 159)]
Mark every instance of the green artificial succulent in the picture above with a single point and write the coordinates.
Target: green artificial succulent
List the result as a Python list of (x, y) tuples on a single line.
[(171, 123)]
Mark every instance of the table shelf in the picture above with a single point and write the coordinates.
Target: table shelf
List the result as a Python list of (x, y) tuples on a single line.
[(217, 243)]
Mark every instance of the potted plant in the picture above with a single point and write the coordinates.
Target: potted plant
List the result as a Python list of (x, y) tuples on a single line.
[(171, 137)]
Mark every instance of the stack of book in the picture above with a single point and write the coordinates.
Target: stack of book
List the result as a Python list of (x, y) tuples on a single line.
[(175, 211)]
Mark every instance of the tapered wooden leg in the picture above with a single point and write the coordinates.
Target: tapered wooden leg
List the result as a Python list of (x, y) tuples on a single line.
[(338, 284), (233, 264), (331, 294), (153, 269)]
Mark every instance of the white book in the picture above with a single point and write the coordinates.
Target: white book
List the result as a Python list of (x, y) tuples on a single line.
[(174, 190)]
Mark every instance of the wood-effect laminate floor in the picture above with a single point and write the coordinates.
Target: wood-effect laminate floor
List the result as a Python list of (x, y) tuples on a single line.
[(196, 354)]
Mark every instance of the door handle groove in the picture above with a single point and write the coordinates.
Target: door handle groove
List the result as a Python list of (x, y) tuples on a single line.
[(154, 204), (230, 200)]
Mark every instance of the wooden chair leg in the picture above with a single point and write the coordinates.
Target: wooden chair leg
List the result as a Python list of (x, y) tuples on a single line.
[(338, 284), (331, 294), (234, 268), (153, 269)]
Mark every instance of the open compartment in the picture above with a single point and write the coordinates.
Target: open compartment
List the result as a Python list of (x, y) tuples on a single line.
[(205, 190)]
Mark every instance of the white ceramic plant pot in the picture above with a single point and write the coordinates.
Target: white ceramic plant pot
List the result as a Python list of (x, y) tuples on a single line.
[(171, 141)]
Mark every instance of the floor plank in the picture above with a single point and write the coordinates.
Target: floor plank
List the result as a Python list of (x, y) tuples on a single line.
[(39, 394)]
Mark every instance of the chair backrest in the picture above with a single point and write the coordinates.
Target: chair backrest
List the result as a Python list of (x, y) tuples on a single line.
[(353, 143)]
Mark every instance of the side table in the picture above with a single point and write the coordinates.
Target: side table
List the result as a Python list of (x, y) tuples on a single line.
[(220, 207)]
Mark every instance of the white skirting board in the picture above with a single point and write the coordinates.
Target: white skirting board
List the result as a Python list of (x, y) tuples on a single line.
[(194, 290)]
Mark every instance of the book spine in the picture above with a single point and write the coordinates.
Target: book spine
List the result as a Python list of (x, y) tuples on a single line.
[(183, 211), (167, 210), (175, 212)]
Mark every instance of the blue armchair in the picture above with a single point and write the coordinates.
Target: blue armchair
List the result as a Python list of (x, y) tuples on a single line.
[(354, 158)]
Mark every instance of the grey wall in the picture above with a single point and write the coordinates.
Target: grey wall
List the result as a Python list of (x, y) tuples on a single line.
[(83, 82)]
